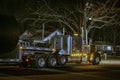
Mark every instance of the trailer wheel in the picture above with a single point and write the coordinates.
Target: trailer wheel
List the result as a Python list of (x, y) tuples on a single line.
[(96, 59), (62, 60), (40, 62), (52, 61)]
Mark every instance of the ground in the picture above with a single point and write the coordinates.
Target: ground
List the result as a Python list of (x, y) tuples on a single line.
[(106, 70)]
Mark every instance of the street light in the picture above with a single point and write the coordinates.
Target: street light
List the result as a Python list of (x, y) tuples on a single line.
[(90, 19), (75, 34)]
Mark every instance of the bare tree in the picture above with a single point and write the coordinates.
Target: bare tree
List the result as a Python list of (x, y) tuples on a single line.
[(43, 13), (101, 14), (104, 16)]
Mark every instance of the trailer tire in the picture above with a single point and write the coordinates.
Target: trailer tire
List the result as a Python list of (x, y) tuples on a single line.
[(96, 59), (51, 61), (40, 62), (62, 60)]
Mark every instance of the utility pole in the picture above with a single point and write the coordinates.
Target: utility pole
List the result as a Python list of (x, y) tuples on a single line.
[(83, 21), (87, 5), (85, 29)]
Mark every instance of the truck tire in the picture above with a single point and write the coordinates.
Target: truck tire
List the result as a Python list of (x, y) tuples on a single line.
[(51, 61), (40, 62), (62, 60), (96, 59)]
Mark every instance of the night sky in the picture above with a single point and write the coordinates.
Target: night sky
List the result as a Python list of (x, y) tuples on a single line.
[(10, 29)]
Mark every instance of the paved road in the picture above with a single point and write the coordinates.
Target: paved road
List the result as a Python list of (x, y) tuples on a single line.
[(107, 70)]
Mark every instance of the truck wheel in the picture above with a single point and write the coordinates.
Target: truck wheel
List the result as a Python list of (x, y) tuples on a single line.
[(96, 59), (62, 60), (52, 61), (40, 62)]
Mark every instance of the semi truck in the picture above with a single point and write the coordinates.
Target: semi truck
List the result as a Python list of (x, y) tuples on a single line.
[(54, 50)]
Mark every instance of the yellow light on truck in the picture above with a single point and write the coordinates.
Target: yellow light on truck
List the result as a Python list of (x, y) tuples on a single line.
[(20, 47), (72, 54), (76, 55), (80, 54), (91, 57), (53, 50)]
